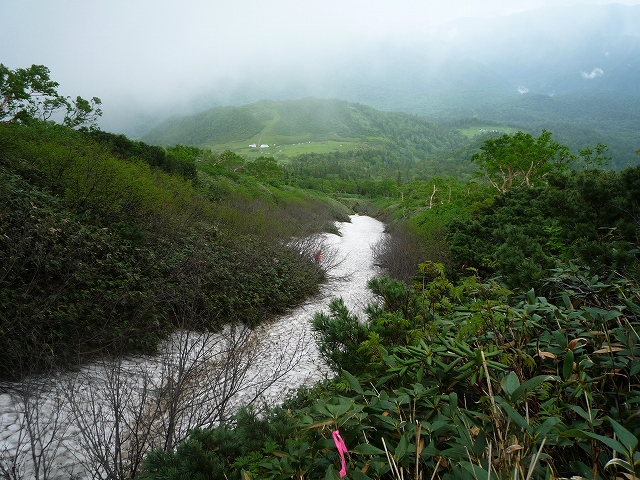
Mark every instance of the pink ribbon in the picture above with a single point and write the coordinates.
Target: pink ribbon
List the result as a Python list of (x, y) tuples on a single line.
[(342, 449)]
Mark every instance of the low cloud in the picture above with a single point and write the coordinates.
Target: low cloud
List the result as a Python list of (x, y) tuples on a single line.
[(522, 89), (596, 72)]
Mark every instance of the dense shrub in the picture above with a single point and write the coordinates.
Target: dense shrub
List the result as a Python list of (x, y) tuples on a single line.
[(590, 218), (106, 255), (221, 452), (178, 159)]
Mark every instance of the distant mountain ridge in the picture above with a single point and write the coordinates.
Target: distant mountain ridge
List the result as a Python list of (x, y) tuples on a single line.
[(308, 124)]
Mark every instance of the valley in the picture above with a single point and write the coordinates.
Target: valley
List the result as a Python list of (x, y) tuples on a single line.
[(320, 242)]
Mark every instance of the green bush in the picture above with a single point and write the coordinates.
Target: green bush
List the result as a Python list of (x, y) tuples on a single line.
[(104, 255), (589, 218)]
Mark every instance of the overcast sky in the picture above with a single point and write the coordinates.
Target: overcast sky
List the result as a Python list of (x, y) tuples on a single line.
[(163, 49)]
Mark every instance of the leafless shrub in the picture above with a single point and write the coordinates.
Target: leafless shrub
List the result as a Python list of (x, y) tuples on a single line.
[(101, 421), (400, 252), (317, 248), (35, 431), (124, 408)]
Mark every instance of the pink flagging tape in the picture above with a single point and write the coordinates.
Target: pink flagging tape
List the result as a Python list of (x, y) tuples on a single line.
[(342, 449)]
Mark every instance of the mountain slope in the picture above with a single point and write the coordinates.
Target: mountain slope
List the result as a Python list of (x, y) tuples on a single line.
[(293, 127), (577, 120)]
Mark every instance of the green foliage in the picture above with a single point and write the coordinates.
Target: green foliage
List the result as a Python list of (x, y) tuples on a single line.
[(576, 119), (222, 452), (264, 168), (373, 172), (206, 128), (176, 159), (498, 387), (595, 157), (467, 379), (386, 149), (587, 217), (342, 335), (502, 387), (417, 223), (304, 120), (29, 93), (520, 159), (403, 315), (66, 287), (104, 253)]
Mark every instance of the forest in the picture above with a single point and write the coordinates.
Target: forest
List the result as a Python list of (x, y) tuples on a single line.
[(503, 342)]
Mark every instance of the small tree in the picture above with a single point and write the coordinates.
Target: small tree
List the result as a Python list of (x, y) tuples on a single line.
[(29, 93), (520, 159), (595, 157)]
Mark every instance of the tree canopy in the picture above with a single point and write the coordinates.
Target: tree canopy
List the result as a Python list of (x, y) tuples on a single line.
[(520, 159), (29, 93)]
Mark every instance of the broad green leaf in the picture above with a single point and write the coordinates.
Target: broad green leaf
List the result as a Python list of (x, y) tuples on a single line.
[(403, 446), (559, 337), (455, 453), (338, 410), (440, 427), (382, 380), (321, 408), (610, 442), (359, 475), (353, 382), (332, 474), (619, 463), (606, 315), (510, 383), (477, 471), (546, 426), (514, 415), (367, 449), (567, 367), (530, 385), (625, 437), (305, 420), (611, 314), (418, 389), (566, 301), (580, 411), (322, 423), (480, 444), (632, 306)]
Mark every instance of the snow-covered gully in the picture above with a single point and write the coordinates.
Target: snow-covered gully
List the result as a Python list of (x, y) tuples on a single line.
[(100, 421)]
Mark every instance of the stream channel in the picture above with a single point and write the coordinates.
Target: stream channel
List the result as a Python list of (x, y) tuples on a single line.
[(92, 423)]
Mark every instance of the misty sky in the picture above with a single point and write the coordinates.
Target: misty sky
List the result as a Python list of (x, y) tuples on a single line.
[(164, 51)]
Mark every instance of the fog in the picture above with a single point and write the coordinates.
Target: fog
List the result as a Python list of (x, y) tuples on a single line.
[(151, 58)]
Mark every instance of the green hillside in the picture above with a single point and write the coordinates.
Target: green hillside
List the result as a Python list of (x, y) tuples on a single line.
[(293, 128), (290, 128), (577, 120)]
